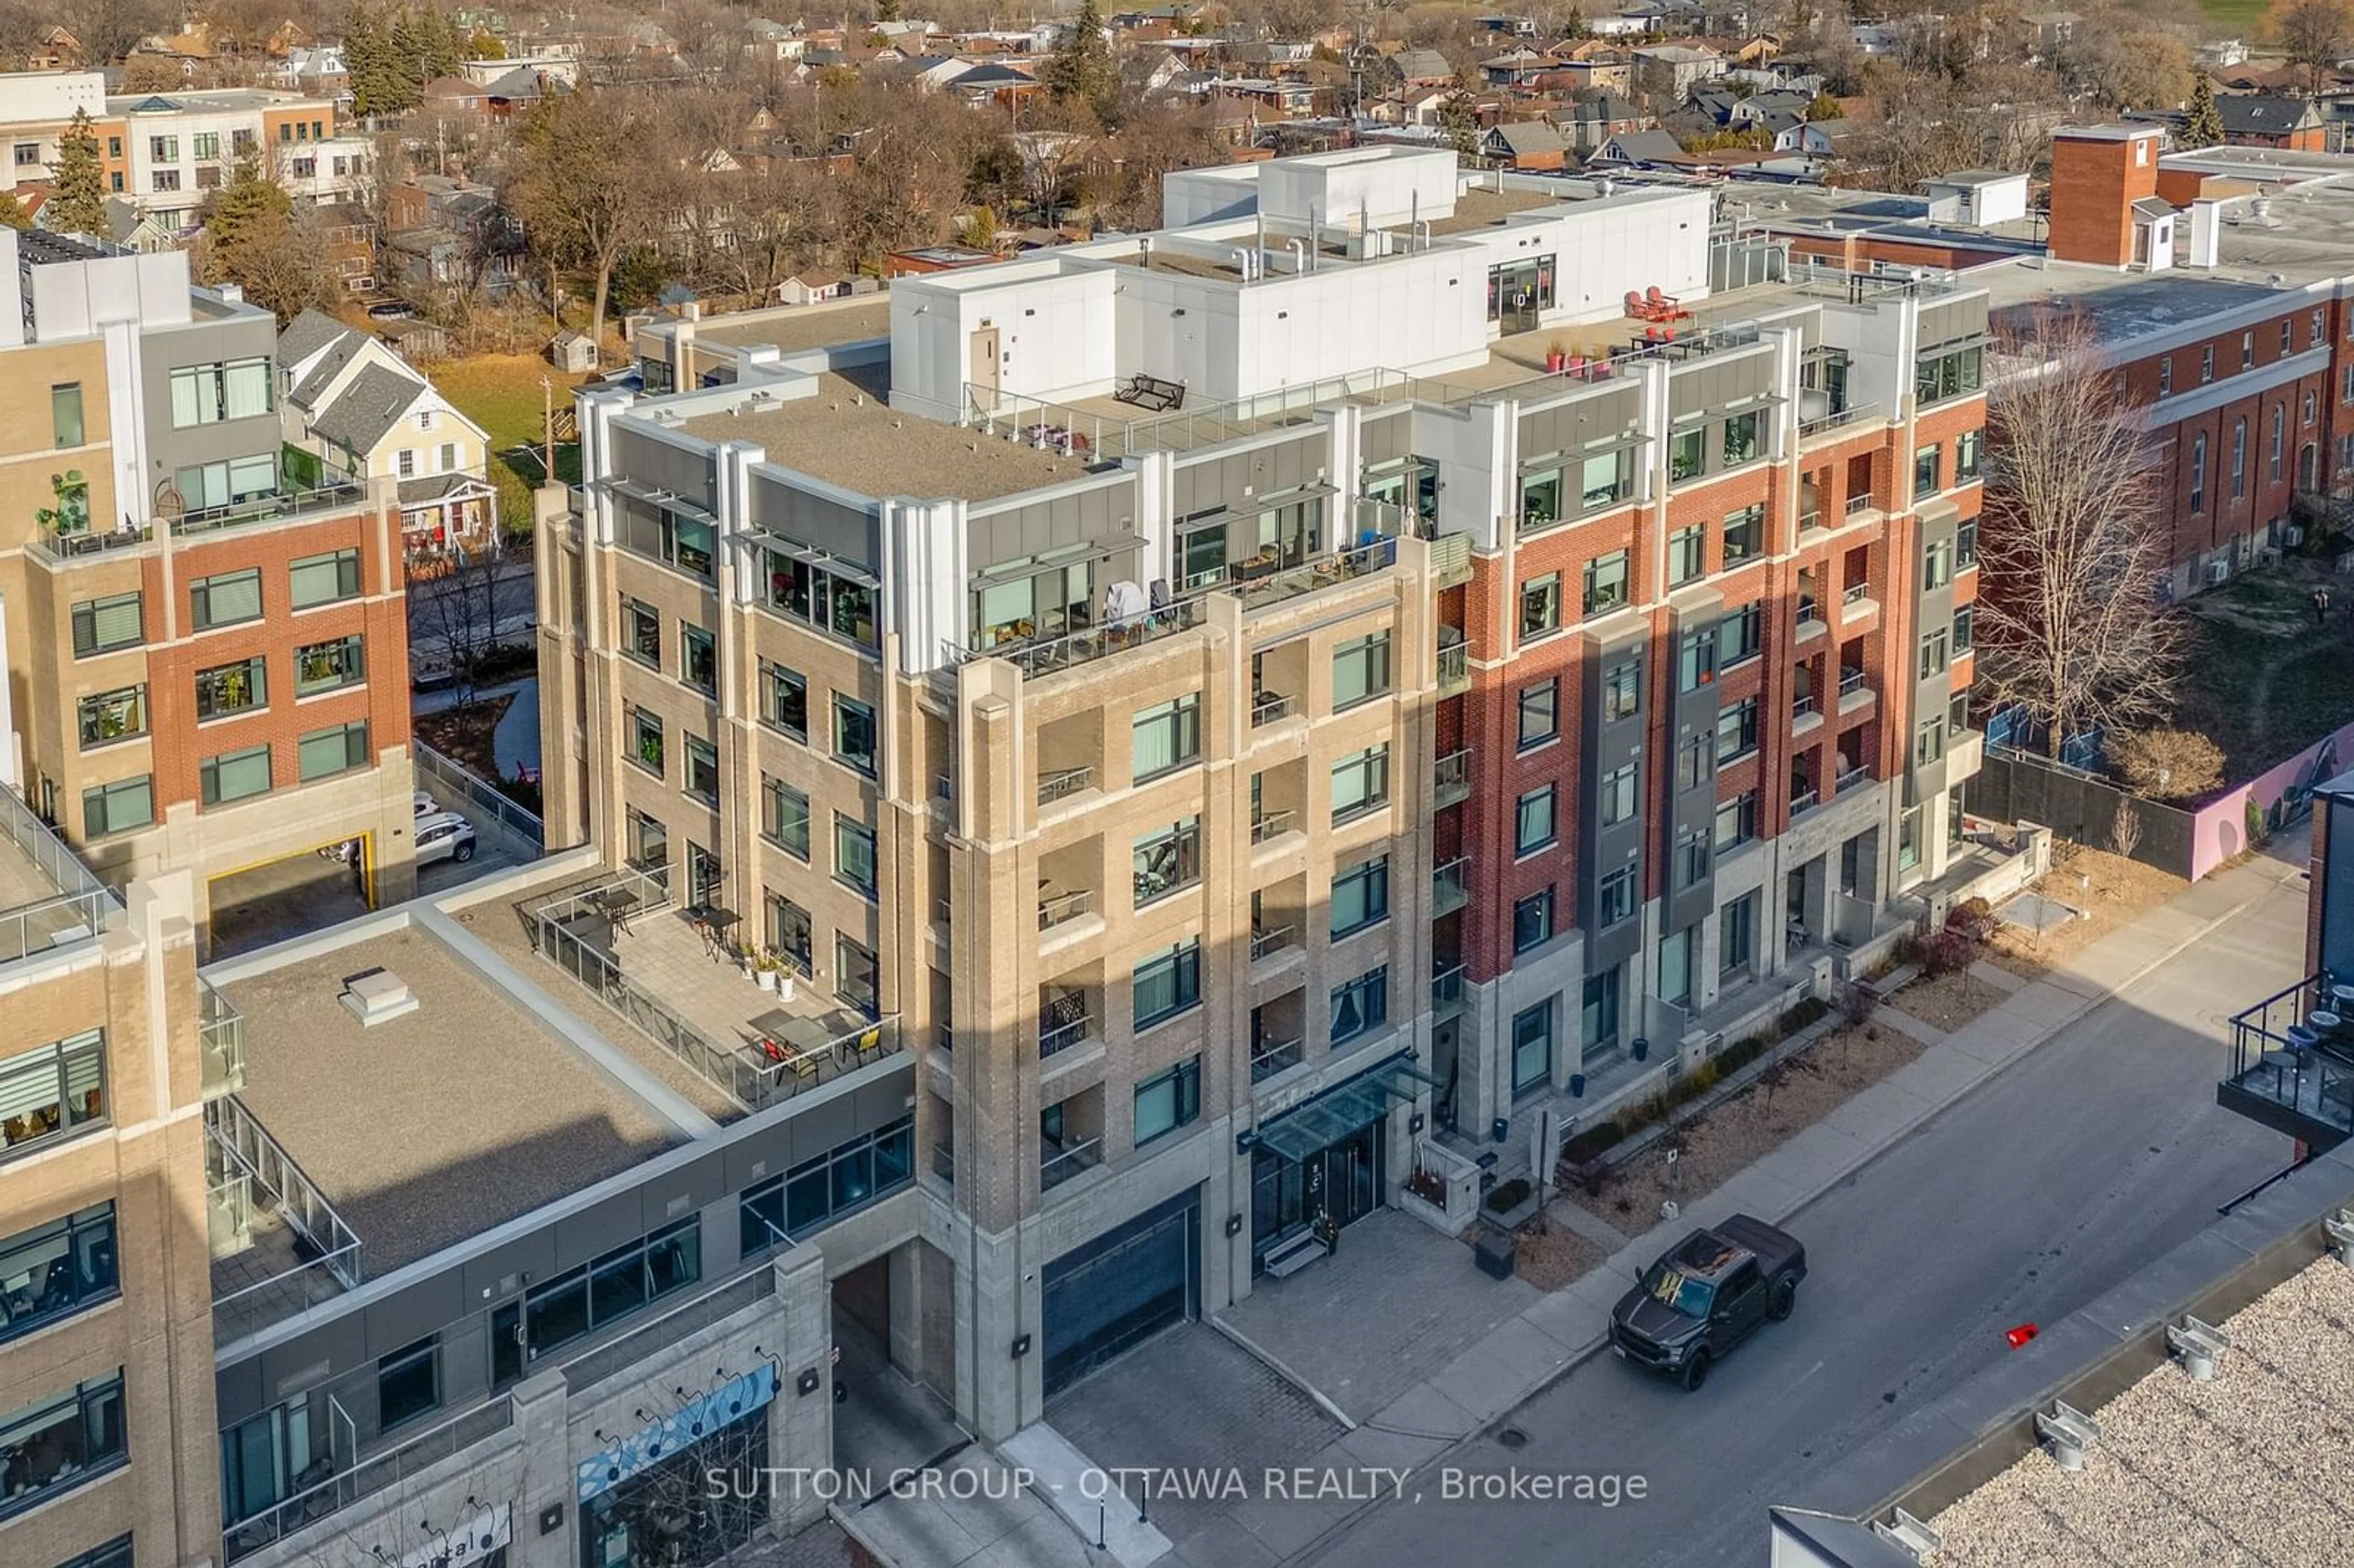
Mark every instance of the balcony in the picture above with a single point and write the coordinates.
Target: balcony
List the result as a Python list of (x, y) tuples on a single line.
[(1810, 521), (1039, 656), (49, 898), (1450, 778), (944, 1165), (1854, 691), (1840, 420), (1064, 1034), (220, 1042), (1856, 602), (1270, 1056), (327, 498), (1061, 909), (2293, 1063), (1454, 661), (1057, 1163), (1314, 576), (1857, 505), (1451, 886), (1964, 756), (1804, 801), (1062, 785), (1271, 707), (1804, 715), (1850, 778), (1447, 991), (1272, 825), (1810, 619), (1265, 943)]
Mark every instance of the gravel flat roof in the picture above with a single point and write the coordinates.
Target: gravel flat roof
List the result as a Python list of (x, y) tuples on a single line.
[(436, 1126), (849, 435), (791, 328), (2251, 1468)]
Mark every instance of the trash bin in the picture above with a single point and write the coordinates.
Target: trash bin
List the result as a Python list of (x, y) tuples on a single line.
[(1495, 1255)]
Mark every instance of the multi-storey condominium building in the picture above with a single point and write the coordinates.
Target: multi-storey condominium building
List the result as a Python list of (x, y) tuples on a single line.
[(109, 1048), (205, 670), (1253, 703), (164, 151)]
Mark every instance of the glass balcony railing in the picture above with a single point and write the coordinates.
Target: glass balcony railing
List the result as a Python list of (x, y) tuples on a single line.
[(1450, 778), (1057, 1163), (1268, 942), (1063, 784), (1270, 1056), (1454, 661), (220, 1034), (1451, 886), (1446, 990)]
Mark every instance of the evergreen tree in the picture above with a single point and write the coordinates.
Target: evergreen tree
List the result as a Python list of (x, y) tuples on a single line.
[(367, 57), (12, 211), (1081, 70), (248, 204), (77, 202), (2204, 126), (412, 52)]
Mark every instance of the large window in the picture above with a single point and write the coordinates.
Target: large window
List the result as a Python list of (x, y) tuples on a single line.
[(1167, 983), (698, 659), (1935, 653), (789, 932), (645, 732), (1539, 500), (1165, 737), (65, 415), (210, 394), (1744, 533), (1614, 898), (1540, 605), (594, 1297), (1167, 860), (1621, 792), (326, 666), (1696, 761), (785, 816), (1929, 741), (1606, 480), (1691, 860), (857, 976), (702, 779), (52, 1091), (62, 1443), (1687, 554), (1736, 821), (118, 807), (1360, 783), (1533, 1048), (1533, 920), (115, 1554), (1925, 471), (1362, 1005), (854, 852), (1169, 1100), (103, 625), (649, 840), (234, 775), (1540, 712), (1361, 898), (821, 1189), (1736, 730), (1361, 669), (227, 689), (408, 1382), (1936, 563), (853, 735), (110, 717), (325, 580), (831, 601), (225, 599), (1696, 659), (1622, 690), (1742, 432), (1687, 453), (323, 753), (1676, 966), (1533, 820), (641, 633), (1969, 455), (1736, 936), (1606, 583), (784, 700), (2198, 468), (1956, 373), (1966, 545), (55, 1270)]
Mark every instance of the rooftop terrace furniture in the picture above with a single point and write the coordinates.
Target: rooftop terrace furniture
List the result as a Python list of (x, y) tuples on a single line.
[(1152, 393)]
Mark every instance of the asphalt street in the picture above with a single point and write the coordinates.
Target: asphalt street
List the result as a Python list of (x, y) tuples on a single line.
[(2030, 1197)]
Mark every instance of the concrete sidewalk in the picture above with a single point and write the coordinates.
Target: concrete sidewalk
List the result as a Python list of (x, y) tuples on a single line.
[(1529, 1350)]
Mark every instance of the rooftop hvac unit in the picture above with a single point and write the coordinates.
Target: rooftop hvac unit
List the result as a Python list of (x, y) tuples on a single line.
[(2292, 535), (2218, 572)]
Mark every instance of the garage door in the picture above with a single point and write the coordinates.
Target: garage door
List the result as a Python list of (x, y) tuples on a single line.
[(1121, 1288)]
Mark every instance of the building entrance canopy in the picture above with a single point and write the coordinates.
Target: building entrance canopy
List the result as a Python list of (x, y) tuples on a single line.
[(1337, 1112)]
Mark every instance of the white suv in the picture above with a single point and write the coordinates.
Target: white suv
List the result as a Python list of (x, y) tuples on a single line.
[(444, 835)]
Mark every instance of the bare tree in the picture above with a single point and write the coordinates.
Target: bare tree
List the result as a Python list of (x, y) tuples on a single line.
[(461, 612), (2125, 831), (581, 186), (2314, 34), (2072, 545)]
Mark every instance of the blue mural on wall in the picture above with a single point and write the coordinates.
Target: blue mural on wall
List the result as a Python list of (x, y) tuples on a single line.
[(657, 1441)]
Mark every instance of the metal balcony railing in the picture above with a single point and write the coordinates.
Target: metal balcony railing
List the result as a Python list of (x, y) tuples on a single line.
[(2290, 1071), (1269, 1057), (1062, 1036), (1810, 616), (1451, 886), (1269, 707), (1855, 593), (1043, 656), (1861, 503), (1454, 660), (1062, 785), (1802, 708), (1850, 779), (1450, 778), (1273, 825), (1804, 801), (1058, 1164), (1850, 682), (1064, 907), (1272, 940)]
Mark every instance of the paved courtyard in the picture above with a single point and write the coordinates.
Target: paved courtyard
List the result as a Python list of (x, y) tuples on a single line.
[(1394, 1304)]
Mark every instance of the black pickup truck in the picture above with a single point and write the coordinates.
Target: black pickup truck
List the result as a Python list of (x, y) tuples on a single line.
[(1706, 1296)]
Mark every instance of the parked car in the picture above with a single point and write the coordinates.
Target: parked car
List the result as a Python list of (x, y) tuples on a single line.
[(423, 805), (444, 835), (1708, 1294)]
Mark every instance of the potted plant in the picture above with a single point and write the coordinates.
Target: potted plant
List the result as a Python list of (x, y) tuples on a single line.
[(767, 968), (1557, 358)]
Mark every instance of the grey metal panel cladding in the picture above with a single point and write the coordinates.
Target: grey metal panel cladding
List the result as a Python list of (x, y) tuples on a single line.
[(332, 1349), (1609, 849), (1222, 480), (1010, 532), (533, 1253), (1573, 426), (854, 533), (602, 1226), (1714, 380), (1693, 810), (648, 459), (236, 1391), (1387, 438), (411, 1314), (1953, 321)]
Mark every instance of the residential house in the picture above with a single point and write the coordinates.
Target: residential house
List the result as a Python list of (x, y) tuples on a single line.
[(1416, 106), (2274, 120), (811, 284), (1530, 145), (1003, 86), (455, 95), (360, 412), (513, 92), (1516, 68), (347, 233), (1591, 119), (772, 42), (134, 229), (1667, 73), (450, 233), (1640, 150), (1417, 68), (1273, 97)]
